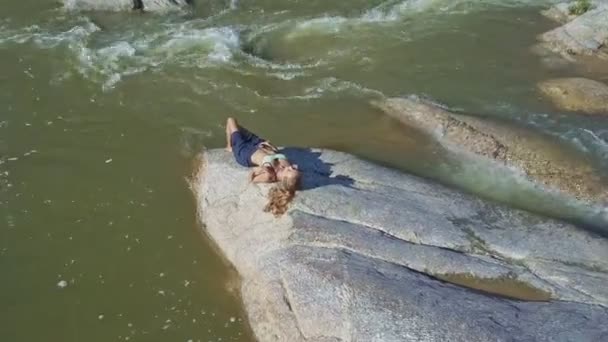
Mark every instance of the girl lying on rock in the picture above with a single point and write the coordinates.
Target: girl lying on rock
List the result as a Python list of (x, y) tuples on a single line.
[(269, 166)]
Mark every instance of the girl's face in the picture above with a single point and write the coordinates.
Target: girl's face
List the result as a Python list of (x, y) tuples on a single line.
[(288, 172)]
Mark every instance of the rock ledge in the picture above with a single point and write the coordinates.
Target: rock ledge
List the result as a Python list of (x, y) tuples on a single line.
[(357, 258)]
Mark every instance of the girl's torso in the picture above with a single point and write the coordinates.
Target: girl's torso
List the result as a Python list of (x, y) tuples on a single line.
[(262, 157)]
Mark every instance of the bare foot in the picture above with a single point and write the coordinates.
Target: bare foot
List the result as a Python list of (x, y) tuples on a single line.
[(229, 148)]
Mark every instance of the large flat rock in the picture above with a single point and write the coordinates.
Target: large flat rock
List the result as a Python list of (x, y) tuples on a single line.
[(359, 255)]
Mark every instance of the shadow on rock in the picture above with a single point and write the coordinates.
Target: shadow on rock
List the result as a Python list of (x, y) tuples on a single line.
[(311, 165)]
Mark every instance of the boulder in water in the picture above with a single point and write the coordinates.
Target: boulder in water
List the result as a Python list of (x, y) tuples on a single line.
[(577, 94), (559, 12), (125, 5), (586, 34), (542, 159), (361, 253)]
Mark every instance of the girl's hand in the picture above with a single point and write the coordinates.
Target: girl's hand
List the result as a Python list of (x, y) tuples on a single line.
[(262, 175)]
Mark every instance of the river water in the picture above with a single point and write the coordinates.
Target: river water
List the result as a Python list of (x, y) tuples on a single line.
[(102, 113)]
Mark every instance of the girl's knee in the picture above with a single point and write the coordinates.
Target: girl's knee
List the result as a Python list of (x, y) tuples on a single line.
[(231, 125)]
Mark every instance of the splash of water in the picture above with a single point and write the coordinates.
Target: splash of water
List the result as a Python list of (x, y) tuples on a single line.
[(510, 185), (108, 62)]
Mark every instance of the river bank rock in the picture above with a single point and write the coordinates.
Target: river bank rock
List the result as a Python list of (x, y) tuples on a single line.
[(586, 34), (542, 159), (577, 94), (559, 12), (125, 5), (358, 256)]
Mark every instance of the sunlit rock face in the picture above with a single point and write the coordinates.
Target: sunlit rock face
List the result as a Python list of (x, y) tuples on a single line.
[(359, 255)]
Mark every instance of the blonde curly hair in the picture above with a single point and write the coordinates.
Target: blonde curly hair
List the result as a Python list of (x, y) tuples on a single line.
[(282, 194)]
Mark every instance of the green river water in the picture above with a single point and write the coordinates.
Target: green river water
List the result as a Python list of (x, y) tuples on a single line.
[(101, 115)]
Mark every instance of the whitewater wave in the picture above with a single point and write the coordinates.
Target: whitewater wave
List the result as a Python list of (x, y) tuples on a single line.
[(386, 12), (48, 40), (397, 10), (510, 185), (594, 143), (109, 60), (394, 11), (329, 86), (273, 66), (181, 45), (588, 136), (334, 85), (108, 56), (332, 37)]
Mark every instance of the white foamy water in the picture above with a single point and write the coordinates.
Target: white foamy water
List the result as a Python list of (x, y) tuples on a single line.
[(48, 40), (594, 143), (384, 13), (511, 185), (396, 10), (180, 45), (580, 132), (337, 86), (127, 54), (393, 11), (107, 57)]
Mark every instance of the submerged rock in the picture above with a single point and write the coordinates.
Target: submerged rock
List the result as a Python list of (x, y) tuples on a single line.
[(577, 94), (125, 5), (359, 254), (541, 159)]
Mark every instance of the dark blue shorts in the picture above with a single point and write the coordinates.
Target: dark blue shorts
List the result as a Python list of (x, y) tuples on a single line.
[(244, 144)]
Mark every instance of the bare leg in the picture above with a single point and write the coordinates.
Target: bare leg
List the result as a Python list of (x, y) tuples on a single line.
[(231, 127)]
